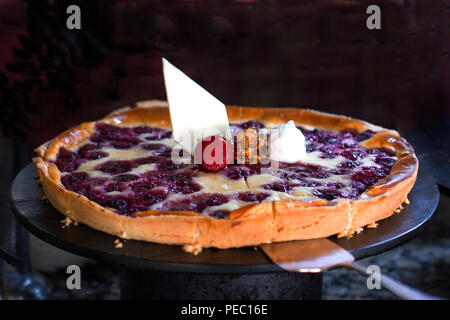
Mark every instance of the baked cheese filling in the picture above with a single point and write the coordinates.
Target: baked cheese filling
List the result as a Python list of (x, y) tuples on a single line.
[(129, 170)]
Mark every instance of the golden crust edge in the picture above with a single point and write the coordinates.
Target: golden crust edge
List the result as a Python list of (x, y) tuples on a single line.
[(257, 224), (203, 230)]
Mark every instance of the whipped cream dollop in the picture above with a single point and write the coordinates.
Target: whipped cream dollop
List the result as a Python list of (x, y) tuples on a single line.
[(287, 143)]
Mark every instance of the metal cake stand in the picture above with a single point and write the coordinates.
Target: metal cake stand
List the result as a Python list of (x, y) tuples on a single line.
[(157, 271)]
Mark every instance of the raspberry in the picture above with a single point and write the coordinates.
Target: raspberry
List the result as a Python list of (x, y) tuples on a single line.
[(206, 151)]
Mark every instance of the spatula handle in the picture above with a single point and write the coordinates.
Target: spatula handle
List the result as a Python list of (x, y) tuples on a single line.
[(397, 288)]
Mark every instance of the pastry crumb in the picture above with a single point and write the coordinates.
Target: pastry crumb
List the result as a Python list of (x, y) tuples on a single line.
[(349, 234), (372, 225), (118, 244), (342, 234), (123, 235), (194, 249), (66, 222), (346, 233)]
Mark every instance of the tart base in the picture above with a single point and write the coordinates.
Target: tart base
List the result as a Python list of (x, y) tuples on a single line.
[(254, 224)]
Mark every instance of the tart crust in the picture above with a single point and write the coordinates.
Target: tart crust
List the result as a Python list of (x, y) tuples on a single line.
[(250, 225)]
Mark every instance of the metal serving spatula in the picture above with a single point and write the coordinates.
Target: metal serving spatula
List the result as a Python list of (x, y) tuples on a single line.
[(322, 254)]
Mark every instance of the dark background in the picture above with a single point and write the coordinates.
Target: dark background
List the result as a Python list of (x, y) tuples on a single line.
[(316, 54)]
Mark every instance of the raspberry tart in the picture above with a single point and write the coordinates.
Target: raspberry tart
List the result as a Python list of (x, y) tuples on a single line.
[(116, 175)]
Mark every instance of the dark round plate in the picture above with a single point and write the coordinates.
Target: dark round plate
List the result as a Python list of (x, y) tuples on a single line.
[(43, 220)]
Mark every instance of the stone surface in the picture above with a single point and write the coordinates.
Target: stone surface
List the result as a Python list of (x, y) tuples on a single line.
[(423, 263)]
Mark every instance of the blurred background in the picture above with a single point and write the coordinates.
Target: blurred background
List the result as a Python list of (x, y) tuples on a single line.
[(317, 54)]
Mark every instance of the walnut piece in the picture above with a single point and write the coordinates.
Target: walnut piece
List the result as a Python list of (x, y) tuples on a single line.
[(251, 147), (194, 249)]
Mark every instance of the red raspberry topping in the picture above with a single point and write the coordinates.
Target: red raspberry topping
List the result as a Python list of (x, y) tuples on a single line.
[(215, 153)]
